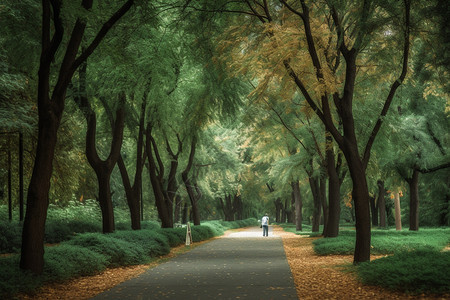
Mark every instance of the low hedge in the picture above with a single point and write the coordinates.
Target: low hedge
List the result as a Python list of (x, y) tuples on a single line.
[(422, 271)]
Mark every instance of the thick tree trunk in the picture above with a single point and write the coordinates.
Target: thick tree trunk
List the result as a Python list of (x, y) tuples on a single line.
[(298, 205), (104, 198), (414, 201), (381, 203), (360, 196), (32, 253), (398, 212)]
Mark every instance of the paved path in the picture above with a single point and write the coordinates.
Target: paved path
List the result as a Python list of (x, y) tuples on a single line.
[(242, 265)]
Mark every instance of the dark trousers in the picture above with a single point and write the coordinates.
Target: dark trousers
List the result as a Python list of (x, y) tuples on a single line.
[(265, 230)]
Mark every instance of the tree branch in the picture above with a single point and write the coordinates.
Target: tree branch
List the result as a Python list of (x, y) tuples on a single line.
[(394, 86)]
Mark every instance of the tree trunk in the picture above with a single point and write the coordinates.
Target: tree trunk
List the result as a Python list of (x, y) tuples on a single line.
[(323, 200), (414, 201), (227, 208), (298, 205), (194, 195), (315, 190), (32, 253), (104, 198), (156, 179), (360, 196), (373, 210), (381, 203), (178, 206), (398, 212), (9, 187), (334, 196), (278, 209), (238, 207), (20, 176), (134, 192)]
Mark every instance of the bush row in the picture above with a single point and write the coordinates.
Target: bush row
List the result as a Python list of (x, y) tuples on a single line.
[(90, 253)]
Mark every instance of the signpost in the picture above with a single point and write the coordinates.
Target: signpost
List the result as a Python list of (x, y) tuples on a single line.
[(188, 234)]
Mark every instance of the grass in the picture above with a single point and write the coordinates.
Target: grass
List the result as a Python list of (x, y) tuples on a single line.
[(416, 262)]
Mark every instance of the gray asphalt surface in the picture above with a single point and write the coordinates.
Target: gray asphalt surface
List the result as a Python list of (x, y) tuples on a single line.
[(242, 265)]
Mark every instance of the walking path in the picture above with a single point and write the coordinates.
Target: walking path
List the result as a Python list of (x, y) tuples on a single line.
[(241, 265)]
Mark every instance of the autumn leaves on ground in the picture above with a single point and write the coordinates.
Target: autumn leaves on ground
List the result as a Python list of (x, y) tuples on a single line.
[(315, 277)]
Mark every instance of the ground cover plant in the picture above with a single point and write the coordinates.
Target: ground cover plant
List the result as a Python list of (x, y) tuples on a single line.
[(418, 271)]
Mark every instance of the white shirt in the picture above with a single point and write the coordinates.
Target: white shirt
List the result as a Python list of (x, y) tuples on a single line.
[(265, 220)]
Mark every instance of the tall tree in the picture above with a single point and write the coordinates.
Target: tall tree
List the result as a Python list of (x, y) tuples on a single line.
[(50, 101)]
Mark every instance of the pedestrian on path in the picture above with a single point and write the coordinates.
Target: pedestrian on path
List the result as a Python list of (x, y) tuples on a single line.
[(265, 225)]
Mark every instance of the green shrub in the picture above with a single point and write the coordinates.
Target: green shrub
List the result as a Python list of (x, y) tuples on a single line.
[(68, 261), (10, 237), (14, 280), (118, 252), (416, 272), (386, 241), (201, 233), (216, 226), (154, 243), (175, 236)]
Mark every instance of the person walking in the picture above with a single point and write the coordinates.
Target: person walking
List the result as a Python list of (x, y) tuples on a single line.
[(265, 225)]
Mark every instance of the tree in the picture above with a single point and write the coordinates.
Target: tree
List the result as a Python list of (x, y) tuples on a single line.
[(324, 31), (50, 101)]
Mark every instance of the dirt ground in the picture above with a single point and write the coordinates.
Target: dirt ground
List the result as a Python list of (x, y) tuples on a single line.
[(315, 277)]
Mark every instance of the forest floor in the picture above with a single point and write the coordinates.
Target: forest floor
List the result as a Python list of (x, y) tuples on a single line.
[(315, 277)]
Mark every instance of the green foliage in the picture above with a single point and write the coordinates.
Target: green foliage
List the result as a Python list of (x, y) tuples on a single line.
[(68, 261), (117, 251), (175, 236), (13, 280), (10, 237), (201, 233), (386, 241), (422, 271), (154, 242)]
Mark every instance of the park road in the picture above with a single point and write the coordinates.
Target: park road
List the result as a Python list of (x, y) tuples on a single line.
[(240, 265)]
